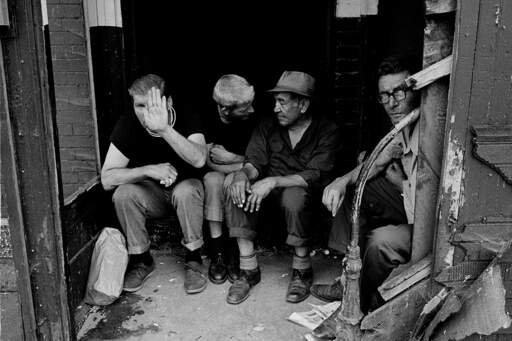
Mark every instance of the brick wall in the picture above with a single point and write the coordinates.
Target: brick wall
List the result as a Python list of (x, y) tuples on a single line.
[(72, 92), (360, 118)]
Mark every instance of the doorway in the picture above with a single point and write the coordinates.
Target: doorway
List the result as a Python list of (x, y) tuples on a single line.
[(191, 45)]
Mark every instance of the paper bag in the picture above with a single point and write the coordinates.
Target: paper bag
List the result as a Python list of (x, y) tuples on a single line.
[(108, 265)]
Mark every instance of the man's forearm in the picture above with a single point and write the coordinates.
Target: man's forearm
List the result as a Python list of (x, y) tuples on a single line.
[(290, 181), (351, 177), (250, 171), (193, 153), (226, 169), (114, 177)]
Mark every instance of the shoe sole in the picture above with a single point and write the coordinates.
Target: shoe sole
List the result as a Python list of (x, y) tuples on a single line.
[(298, 301), (141, 284), (237, 302), (196, 291)]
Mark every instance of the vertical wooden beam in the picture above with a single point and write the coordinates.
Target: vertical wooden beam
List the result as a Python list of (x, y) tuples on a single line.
[(35, 172), (17, 227), (438, 41), (466, 26)]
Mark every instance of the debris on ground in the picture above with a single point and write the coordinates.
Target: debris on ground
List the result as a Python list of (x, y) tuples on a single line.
[(311, 319)]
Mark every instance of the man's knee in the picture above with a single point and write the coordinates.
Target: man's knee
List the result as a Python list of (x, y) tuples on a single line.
[(213, 180), (127, 193), (189, 189), (390, 239), (293, 199)]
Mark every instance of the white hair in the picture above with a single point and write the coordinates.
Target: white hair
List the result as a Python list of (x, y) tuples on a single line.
[(233, 90)]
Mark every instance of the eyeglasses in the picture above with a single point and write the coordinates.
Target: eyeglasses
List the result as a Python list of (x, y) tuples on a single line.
[(398, 94)]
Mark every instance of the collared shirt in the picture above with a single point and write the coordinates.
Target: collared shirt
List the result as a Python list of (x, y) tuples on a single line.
[(409, 162), (270, 150)]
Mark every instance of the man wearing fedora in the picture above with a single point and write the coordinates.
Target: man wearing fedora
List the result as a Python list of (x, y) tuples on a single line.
[(286, 160)]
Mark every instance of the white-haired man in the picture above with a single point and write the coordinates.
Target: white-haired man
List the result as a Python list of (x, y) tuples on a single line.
[(228, 136)]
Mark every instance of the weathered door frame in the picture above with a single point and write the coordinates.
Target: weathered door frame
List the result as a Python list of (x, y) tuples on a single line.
[(33, 192)]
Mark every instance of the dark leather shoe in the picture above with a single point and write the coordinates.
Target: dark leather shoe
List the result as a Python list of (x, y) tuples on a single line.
[(217, 272), (195, 279), (298, 289), (233, 270), (328, 292), (239, 291), (327, 329)]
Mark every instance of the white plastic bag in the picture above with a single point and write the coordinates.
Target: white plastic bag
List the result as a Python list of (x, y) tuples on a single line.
[(108, 265)]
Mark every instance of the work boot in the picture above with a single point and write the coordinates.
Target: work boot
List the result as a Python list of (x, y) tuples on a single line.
[(327, 329), (328, 292), (217, 272), (300, 283), (136, 276), (195, 279), (240, 289)]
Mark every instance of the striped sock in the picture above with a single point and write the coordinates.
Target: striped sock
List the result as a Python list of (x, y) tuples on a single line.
[(248, 262)]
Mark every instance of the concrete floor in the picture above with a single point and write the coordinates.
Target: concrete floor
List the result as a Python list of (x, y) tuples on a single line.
[(163, 311)]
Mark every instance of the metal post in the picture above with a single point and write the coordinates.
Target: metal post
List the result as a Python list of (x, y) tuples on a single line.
[(347, 326)]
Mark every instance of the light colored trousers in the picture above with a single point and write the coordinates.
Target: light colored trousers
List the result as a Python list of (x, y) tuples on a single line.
[(215, 186), (135, 203)]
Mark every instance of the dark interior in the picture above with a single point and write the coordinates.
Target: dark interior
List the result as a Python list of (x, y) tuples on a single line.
[(192, 44)]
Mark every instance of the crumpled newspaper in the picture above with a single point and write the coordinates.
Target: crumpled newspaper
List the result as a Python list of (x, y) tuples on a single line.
[(312, 319)]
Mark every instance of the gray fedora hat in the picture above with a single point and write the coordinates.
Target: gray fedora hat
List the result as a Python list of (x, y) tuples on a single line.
[(297, 82)]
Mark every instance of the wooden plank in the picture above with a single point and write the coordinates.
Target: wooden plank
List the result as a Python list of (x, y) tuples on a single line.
[(486, 193), (440, 6), (450, 192), (4, 13), (430, 74), (482, 309), (438, 41), (395, 320), (406, 279), (8, 279), (11, 328), (492, 146), (14, 211), (31, 117)]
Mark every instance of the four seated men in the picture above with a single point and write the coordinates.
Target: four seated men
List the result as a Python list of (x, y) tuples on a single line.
[(281, 162)]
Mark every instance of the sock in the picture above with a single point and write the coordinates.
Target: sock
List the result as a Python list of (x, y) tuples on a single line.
[(217, 245), (301, 263), (248, 262), (193, 256), (144, 258)]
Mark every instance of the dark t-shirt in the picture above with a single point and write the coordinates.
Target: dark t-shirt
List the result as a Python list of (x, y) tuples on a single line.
[(233, 136), (143, 149)]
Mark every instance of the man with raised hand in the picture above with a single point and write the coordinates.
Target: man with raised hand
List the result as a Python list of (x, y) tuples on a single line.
[(149, 163)]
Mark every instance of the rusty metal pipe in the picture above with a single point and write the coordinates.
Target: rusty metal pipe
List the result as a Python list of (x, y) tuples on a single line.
[(347, 327)]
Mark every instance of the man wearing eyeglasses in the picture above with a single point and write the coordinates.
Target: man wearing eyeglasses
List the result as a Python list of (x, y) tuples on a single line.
[(387, 209), (227, 135)]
